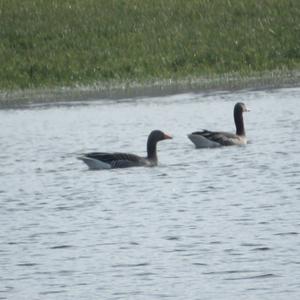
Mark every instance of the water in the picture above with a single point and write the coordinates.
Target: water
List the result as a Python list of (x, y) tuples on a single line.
[(204, 224)]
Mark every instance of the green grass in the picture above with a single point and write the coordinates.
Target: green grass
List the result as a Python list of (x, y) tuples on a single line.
[(49, 43)]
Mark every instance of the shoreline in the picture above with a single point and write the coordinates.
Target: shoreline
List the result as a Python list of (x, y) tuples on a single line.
[(154, 88)]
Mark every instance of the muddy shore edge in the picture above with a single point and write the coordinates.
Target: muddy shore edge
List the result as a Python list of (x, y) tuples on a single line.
[(115, 90)]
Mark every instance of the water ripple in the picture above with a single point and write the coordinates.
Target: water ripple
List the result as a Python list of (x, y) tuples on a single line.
[(261, 276), (205, 223)]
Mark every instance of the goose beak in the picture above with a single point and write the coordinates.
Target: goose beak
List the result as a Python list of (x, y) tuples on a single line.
[(167, 136), (247, 109)]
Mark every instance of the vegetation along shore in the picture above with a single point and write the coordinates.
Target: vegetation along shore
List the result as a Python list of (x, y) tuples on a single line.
[(52, 44)]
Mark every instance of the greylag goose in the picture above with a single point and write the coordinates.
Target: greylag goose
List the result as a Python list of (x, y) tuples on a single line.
[(103, 160), (211, 139)]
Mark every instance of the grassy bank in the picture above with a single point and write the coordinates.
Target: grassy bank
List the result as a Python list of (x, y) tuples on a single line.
[(49, 43)]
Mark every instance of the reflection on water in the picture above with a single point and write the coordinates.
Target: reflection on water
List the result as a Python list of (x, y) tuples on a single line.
[(204, 224)]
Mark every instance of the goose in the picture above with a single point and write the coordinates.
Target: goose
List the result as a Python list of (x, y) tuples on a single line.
[(104, 160), (212, 139)]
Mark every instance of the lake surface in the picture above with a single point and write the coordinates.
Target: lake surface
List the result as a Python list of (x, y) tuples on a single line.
[(205, 224)]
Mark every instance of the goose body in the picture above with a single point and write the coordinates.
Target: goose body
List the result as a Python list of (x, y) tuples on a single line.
[(213, 139), (104, 160)]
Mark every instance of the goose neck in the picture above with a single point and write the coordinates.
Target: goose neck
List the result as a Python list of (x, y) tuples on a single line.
[(239, 123)]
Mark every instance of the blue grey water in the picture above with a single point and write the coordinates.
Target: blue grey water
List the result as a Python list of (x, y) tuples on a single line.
[(205, 224)]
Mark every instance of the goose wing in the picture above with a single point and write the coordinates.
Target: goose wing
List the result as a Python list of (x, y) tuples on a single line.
[(117, 160), (222, 138)]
